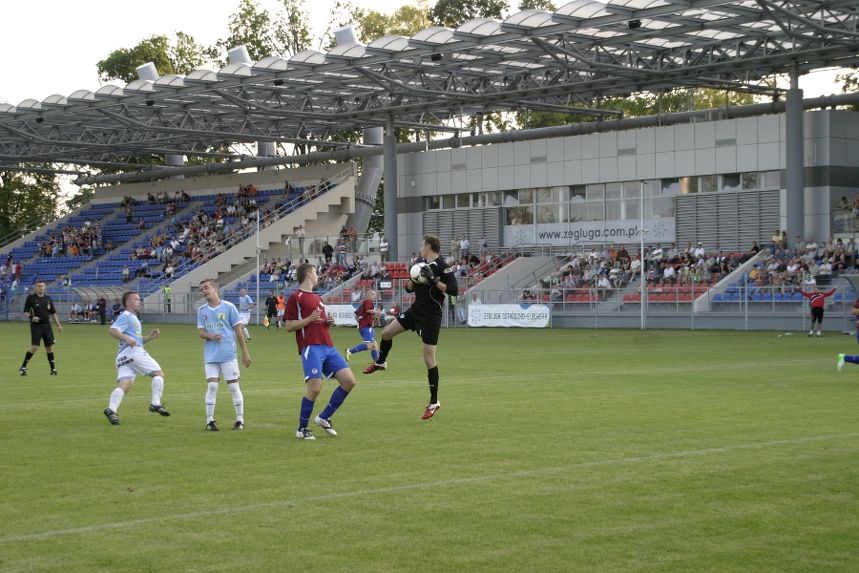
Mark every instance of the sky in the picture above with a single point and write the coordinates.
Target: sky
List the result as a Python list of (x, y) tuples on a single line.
[(52, 47)]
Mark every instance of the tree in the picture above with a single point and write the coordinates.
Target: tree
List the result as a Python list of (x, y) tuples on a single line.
[(545, 5), (187, 55), (121, 64), (293, 32), (452, 13), (254, 28), (79, 199), (407, 21), (183, 56), (643, 104), (27, 201)]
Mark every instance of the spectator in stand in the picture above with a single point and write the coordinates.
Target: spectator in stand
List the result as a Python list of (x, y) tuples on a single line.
[(342, 249), (669, 276), (824, 272), (817, 300), (798, 245), (383, 249), (464, 247), (299, 234), (75, 312), (751, 253), (328, 252), (351, 239), (101, 307), (90, 312)]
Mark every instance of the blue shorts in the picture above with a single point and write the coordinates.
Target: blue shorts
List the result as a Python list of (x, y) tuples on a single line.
[(367, 333), (321, 361)]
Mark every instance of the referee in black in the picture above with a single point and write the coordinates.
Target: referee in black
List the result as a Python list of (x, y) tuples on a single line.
[(39, 310), (423, 317)]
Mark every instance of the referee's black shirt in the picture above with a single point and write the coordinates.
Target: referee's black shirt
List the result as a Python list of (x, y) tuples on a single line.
[(41, 306)]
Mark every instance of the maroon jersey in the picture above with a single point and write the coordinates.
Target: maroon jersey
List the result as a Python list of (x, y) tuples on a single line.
[(365, 318), (299, 306), (855, 307)]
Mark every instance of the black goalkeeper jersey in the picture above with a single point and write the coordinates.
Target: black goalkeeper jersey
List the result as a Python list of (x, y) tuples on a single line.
[(428, 298)]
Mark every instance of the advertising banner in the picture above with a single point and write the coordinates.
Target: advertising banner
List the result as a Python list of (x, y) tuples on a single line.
[(344, 314), (509, 315), (660, 230)]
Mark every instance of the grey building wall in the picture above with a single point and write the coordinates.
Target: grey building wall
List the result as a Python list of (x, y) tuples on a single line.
[(755, 144)]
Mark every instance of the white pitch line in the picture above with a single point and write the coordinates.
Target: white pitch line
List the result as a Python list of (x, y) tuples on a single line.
[(413, 486)]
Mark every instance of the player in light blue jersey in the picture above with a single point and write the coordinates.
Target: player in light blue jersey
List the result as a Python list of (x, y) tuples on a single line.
[(220, 325), (246, 303), (132, 359)]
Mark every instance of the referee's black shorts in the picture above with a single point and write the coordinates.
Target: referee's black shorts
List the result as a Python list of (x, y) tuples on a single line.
[(41, 332), (427, 325)]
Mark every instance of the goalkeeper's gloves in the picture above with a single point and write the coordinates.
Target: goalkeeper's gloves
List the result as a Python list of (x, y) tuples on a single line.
[(428, 274)]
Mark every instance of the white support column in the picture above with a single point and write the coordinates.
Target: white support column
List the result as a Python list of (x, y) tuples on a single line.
[(795, 159), (391, 231)]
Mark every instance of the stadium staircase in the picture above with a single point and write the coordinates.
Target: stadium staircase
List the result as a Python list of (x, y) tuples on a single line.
[(519, 273), (323, 215)]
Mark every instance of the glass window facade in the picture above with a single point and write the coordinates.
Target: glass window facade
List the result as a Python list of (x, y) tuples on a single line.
[(619, 200)]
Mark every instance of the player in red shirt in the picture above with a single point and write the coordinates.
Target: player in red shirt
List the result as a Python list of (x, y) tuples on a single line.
[(816, 299), (366, 315), (852, 359), (305, 316)]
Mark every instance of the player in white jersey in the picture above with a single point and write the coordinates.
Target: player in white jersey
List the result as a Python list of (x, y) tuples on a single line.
[(246, 303), (220, 325), (132, 359)]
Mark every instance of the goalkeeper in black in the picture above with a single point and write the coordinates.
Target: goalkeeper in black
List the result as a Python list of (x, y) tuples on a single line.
[(424, 316)]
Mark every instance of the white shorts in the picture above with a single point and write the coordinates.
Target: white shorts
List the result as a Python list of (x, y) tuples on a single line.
[(133, 361), (229, 370), (245, 318)]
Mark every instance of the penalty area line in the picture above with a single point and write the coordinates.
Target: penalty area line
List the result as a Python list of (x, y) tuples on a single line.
[(414, 486)]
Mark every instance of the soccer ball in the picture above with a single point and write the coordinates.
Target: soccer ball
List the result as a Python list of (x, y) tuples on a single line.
[(415, 273)]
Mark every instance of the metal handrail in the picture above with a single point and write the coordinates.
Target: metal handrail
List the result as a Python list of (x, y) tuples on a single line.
[(241, 234)]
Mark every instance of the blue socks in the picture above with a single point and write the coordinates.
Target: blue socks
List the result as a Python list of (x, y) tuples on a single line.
[(851, 359), (334, 402), (361, 348), (306, 410)]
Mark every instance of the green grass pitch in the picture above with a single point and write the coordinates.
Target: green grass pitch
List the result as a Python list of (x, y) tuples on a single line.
[(555, 450)]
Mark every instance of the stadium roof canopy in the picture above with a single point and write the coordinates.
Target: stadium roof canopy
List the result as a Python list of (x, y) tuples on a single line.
[(563, 61)]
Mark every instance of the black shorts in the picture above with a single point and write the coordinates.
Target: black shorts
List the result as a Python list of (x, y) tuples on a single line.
[(427, 326), (817, 314), (40, 332)]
